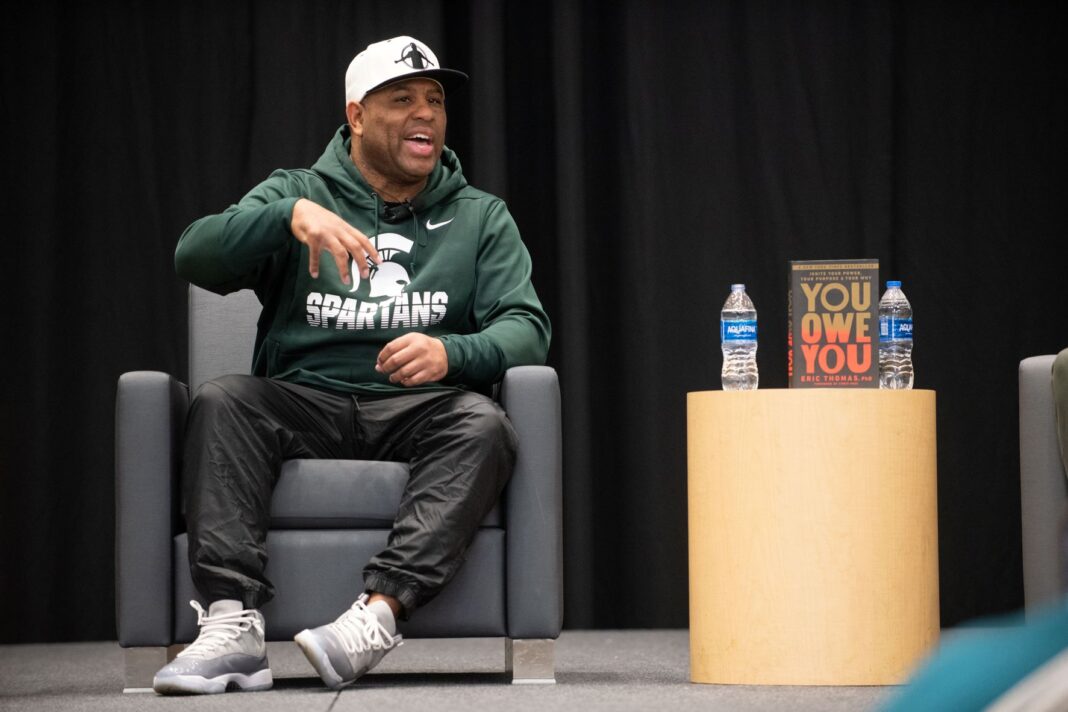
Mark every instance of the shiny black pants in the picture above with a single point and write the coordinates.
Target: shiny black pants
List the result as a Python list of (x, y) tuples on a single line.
[(459, 446)]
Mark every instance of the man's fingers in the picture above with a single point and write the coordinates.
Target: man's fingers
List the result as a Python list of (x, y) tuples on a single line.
[(370, 250), (361, 249), (366, 246), (397, 354), (399, 374), (384, 355), (342, 262), (360, 259), (412, 378), (396, 361), (313, 263)]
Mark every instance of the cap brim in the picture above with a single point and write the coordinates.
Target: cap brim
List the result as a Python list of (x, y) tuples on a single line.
[(449, 79)]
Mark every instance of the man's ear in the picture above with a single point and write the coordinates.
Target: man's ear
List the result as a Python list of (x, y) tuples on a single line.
[(354, 114)]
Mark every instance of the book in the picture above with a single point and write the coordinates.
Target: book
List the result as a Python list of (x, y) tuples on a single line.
[(833, 334)]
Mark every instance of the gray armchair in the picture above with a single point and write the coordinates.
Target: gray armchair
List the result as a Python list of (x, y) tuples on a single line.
[(1043, 492), (328, 518)]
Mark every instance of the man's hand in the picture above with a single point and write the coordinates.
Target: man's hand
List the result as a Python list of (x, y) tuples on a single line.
[(413, 359), (324, 231)]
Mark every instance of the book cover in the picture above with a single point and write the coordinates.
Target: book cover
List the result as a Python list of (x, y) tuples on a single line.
[(833, 334)]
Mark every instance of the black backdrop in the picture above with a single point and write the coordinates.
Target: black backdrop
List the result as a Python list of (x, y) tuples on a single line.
[(652, 153)]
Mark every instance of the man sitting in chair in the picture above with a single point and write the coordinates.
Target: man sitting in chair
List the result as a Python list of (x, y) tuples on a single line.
[(394, 296)]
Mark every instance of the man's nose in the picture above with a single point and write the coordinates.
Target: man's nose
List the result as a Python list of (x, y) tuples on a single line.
[(422, 109)]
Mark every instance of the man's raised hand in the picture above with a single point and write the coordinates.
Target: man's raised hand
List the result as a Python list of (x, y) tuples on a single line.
[(324, 231)]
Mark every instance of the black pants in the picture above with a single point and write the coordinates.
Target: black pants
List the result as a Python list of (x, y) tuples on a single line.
[(460, 448)]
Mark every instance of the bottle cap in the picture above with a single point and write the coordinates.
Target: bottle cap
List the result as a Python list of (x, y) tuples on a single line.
[(737, 287), (891, 283)]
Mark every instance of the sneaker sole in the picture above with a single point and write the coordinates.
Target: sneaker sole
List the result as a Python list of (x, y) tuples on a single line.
[(320, 660), (196, 685)]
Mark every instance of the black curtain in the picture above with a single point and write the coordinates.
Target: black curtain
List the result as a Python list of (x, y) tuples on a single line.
[(652, 153)]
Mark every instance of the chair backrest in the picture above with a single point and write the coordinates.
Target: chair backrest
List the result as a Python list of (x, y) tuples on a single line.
[(1043, 494), (222, 333)]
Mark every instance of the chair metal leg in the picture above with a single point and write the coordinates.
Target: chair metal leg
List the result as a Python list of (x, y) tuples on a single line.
[(141, 665), (530, 661)]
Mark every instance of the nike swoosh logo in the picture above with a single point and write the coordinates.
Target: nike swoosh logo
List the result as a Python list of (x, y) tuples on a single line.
[(435, 226)]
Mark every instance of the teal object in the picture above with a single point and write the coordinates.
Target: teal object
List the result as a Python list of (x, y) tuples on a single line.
[(977, 664)]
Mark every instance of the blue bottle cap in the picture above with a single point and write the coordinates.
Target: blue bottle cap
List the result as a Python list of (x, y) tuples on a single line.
[(737, 287), (891, 283)]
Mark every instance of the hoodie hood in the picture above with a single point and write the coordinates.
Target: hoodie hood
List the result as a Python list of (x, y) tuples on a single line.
[(347, 183)]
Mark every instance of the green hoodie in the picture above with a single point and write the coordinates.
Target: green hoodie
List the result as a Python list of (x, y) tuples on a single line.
[(453, 267)]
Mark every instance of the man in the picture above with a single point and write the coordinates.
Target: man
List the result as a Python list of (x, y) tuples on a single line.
[(394, 296)]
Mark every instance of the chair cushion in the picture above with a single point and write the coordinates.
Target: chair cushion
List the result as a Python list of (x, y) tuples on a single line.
[(342, 494)]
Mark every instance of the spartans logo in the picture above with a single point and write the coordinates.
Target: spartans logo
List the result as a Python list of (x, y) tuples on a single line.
[(382, 302), (389, 278)]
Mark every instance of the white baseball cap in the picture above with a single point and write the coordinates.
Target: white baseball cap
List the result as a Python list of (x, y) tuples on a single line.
[(394, 59)]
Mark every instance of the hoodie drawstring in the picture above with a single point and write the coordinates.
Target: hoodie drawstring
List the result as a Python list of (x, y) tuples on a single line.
[(376, 219), (420, 235)]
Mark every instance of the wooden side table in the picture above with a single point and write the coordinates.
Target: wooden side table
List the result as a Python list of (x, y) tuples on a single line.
[(813, 535)]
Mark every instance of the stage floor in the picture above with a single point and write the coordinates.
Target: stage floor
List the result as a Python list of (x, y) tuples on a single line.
[(596, 670)]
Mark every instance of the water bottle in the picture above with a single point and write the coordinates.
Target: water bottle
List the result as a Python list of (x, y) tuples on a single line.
[(738, 334), (895, 338)]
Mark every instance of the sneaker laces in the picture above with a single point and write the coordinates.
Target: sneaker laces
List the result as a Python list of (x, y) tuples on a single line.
[(360, 630), (219, 630)]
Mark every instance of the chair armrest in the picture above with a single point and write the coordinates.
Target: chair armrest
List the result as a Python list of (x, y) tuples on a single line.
[(1042, 484), (534, 504), (150, 410)]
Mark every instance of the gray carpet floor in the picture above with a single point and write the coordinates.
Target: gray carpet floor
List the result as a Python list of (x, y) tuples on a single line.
[(596, 670)]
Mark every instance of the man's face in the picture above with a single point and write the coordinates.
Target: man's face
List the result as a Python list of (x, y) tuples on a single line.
[(402, 130)]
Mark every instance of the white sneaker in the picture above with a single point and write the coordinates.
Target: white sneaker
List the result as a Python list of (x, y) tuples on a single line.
[(228, 654), (344, 650)]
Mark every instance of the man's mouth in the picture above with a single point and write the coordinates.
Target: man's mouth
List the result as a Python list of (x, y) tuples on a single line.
[(420, 143)]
